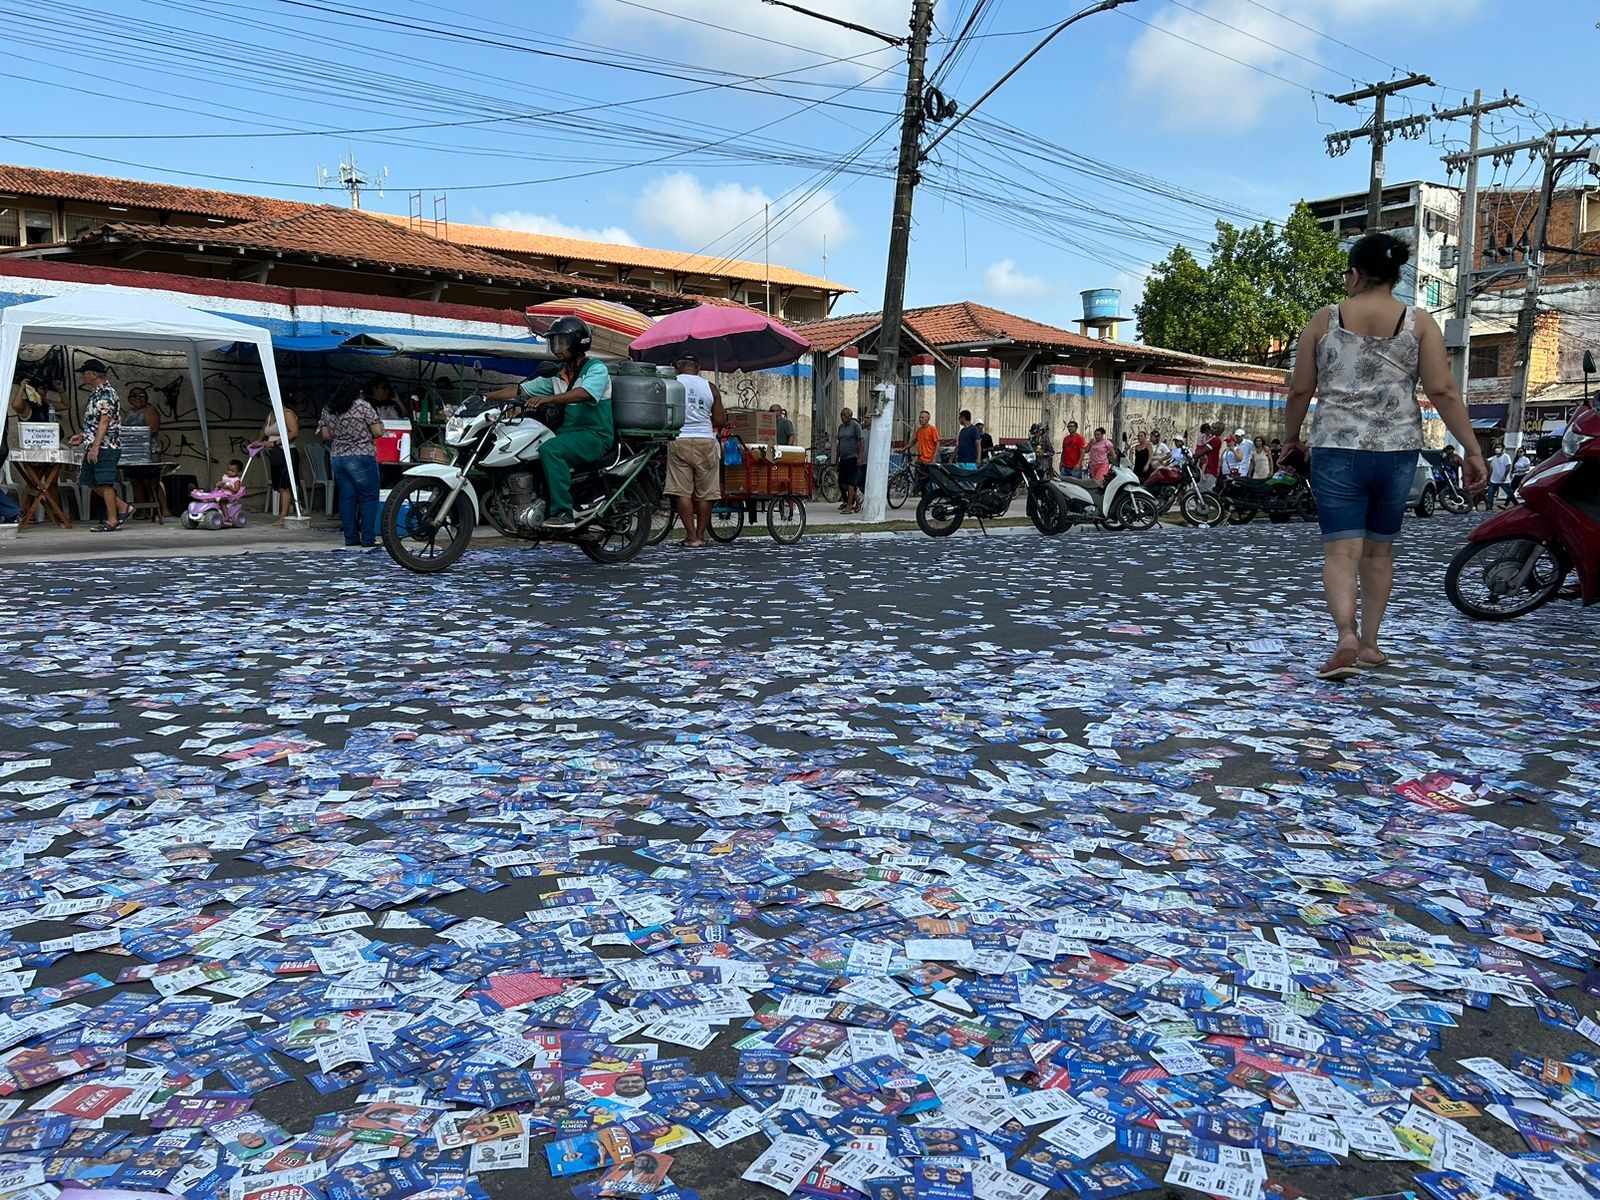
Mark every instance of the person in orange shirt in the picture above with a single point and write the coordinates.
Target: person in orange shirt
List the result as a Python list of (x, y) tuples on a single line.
[(926, 440)]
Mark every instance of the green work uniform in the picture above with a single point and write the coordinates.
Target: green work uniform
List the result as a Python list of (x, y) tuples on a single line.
[(586, 434)]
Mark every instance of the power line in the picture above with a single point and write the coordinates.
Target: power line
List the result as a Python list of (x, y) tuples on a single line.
[(1257, 38), (1237, 61)]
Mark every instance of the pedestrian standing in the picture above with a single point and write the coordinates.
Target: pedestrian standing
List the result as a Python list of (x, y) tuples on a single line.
[(101, 440), (1499, 477), (848, 442), (967, 442), (1362, 360), (694, 457), (351, 427), (1247, 453), (1160, 452), (1230, 459), (925, 440), (1519, 469), (1209, 452), (1072, 449), (1180, 452), (1141, 455), (985, 443), (785, 426), (279, 441), (1100, 456), (1261, 464)]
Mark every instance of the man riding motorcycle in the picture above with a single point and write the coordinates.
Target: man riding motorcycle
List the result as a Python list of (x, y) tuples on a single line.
[(587, 434)]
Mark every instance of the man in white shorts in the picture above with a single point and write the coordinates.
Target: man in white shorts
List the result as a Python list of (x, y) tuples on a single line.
[(694, 457)]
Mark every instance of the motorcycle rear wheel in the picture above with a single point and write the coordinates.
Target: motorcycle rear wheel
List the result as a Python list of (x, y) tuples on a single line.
[(623, 532), (939, 516), (1202, 508), (412, 526), (1505, 557), (1454, 502)]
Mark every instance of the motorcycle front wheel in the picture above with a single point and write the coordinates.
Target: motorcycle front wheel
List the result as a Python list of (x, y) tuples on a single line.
[(1137, 510), (417, 534), (1454, 502), (1044, 510), (1504, 578), (939, 516), (1202, 508)]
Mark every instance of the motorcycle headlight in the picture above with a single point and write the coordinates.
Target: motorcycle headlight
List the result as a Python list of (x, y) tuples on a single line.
[(1571, 440)]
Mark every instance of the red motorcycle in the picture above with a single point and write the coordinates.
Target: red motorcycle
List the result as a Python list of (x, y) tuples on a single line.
[(1517, 560)]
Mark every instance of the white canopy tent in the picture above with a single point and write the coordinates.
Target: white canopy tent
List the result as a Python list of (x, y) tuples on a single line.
[(113, 318)]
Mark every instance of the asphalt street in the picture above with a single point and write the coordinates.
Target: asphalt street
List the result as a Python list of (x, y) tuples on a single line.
[(822, 793)]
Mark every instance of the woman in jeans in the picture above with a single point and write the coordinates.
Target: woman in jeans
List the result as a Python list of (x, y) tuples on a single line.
[(350, 426), (1362, 360)]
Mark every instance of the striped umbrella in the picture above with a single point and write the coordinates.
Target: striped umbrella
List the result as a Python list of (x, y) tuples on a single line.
[(615, 326)]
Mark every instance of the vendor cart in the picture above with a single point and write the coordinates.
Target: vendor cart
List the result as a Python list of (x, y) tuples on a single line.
[(756, 487)]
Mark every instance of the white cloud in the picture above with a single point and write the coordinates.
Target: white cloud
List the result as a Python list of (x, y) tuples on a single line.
[(1194, 88), (526, 222), (1003, 280), (728, 218), (748, 37)]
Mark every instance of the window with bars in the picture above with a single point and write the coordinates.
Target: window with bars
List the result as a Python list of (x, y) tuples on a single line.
[(78, 224), (10, 227), (1483, 362)]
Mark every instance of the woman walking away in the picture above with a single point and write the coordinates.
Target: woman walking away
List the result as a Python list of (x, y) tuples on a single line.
[(350, 426), (1362, 360)]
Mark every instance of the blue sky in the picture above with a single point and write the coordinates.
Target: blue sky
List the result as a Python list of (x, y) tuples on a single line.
[(676, 123)]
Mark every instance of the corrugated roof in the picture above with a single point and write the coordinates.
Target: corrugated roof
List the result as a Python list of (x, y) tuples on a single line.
[(515, 241), (340, 233), (135, 193), (967, 324)]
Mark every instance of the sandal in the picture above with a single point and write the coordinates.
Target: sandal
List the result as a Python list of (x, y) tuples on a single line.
[(104, 528), (1373, 666), (1341, 664)]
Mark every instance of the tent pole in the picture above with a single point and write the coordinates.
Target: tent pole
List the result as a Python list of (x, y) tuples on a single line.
[(269, 369), (198, 383)]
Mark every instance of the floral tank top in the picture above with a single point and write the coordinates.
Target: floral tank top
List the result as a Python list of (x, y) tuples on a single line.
[(1367, 388)]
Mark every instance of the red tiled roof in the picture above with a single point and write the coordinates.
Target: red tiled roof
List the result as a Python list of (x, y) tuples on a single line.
[(334, 233), (947, 326), (835, 333), (135, 193)]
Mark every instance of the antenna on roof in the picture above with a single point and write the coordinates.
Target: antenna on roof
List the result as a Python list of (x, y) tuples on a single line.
[(350, 179)]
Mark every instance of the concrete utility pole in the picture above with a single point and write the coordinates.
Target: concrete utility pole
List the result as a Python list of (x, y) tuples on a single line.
[(1458, 331), (1378, 93), (894, 286), (1555, 161)]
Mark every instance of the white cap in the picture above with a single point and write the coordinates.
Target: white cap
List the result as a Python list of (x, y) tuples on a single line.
[(1238, 433)]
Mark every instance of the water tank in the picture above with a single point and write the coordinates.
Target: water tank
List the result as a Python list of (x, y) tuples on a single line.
[(1101, 303)]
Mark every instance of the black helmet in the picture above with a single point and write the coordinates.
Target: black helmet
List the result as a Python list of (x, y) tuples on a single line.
[(569, 334)]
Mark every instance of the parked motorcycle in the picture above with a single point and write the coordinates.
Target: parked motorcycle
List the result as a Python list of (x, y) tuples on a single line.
[(1119, 501), (1451, 498), (429, 516), (1183, 486), (1517, 560), (950, 495), (1282, 497)]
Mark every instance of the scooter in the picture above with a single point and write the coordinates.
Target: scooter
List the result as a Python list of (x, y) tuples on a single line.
[(1119, 501), (1518, 559)]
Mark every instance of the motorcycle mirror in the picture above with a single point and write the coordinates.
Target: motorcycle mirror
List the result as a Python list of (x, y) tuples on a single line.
[(1588, 362), (549, 369)]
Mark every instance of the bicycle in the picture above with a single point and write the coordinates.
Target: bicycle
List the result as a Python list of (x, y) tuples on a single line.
[(826, 476), (902, 481)]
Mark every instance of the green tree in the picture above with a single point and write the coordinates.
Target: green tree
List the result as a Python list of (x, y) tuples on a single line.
[(1261, 285)]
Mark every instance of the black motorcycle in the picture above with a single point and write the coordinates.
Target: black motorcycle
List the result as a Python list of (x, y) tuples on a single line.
[(1282, 497), (950, 495)]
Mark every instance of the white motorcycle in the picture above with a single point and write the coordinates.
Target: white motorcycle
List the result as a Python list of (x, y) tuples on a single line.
[(1119, 501), (429, 517)]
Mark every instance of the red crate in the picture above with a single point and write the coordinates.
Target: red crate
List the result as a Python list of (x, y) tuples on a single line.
[(760, 479)]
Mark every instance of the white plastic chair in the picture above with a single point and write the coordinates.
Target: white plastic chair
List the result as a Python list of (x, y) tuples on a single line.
[(321, 477)]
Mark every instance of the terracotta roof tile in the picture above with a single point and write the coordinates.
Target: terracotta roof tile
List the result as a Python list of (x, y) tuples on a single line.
[(948, 326), (134, 193), (332, 232), (488, 237)]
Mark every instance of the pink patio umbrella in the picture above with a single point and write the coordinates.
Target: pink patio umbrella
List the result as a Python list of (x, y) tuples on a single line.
[(723, 338)]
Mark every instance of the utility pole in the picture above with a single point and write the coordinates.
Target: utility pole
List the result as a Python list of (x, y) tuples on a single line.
[(1458, 332), (894, 286), (1378, 93)]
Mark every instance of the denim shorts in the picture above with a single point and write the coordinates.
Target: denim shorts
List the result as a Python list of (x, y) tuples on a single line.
[(1361, 493)]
